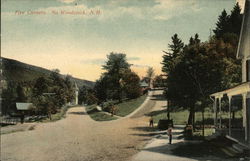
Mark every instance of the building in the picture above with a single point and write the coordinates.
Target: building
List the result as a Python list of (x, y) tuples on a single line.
[(240, 133)]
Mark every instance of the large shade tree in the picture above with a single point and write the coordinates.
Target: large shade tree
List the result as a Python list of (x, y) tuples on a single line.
[(118, 80)]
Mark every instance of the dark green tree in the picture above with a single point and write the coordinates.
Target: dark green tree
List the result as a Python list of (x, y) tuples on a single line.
[(235, 20), (131, 84), (21, 97), (169, 57), (229, 24), (222, 25), (70, 93), (115, 67)]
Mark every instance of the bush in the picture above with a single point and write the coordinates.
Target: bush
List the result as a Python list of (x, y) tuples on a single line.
[(107, 106), (188, 132)]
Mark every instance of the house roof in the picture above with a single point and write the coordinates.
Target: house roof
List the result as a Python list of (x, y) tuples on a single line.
[(244, 42), (23, 106), (237, 90)]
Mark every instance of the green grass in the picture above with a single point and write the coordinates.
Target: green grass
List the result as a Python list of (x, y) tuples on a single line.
[(57, 116), (207, 132), (181, 117), (129, 106), (97, 115)]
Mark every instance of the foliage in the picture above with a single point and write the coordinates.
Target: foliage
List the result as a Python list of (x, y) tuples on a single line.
[(118, 81), (9, 97), (52, 93), (21, 97), (198, 69), (97, 115), (228, 23), (131, 84), (201, 69), (169, 58), (150, 72), (159, 81)]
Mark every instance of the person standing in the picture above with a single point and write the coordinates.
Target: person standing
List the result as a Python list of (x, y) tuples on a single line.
[(151, 122), (170, 129)]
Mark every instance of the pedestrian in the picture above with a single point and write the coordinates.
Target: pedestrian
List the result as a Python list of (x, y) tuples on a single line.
[(151, 122), (170, 133), (22, 118)]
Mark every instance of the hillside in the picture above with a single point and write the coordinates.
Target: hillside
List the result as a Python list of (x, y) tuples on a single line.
[(17, 71)]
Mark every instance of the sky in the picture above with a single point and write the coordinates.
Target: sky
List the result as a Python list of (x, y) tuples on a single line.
[(75, 36)]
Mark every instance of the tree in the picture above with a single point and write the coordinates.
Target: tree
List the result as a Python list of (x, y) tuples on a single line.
[(87, 95), (70, 93), (150, 74), (21, 97), (202, 69), (9, 97), (229, 24), (169, 58), (58, 87), (101, 87), (131, 84), (222, 25), (235, 20), (82, 94), (116, 63), (41, 86), (44, 103), (115, 66), (159, 81)]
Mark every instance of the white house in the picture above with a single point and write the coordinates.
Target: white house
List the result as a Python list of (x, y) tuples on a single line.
[(241, 91)]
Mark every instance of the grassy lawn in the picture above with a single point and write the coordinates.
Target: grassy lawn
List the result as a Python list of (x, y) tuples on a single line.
[(129, 106), (57, 116), (97, 115), (181, 117)]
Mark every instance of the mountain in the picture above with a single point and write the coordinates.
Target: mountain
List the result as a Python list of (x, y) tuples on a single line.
[(13, 70)]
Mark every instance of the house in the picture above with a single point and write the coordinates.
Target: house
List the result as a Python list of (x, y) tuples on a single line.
[(22, 106), (144, 83), (241, 93)]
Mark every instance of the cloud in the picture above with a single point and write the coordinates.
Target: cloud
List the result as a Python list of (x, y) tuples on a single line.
[(160, 10), (133, 58), (141, 66), (67, 1), (97, 61)]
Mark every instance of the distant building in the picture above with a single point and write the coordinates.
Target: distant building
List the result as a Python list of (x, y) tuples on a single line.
[(76, 94), (144, 83), (21, 106)]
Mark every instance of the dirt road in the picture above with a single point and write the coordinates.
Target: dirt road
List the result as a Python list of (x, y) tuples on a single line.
[(79, 138)]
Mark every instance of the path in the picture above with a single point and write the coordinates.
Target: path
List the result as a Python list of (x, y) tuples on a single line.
[(159, 149), (77, 137)]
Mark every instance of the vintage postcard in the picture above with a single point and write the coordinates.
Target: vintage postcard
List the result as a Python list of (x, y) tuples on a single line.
[(125, 80)]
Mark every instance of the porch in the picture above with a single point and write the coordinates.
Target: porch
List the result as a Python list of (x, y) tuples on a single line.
[(230, 101)]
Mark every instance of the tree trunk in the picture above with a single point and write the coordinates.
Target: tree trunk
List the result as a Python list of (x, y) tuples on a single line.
[(203, 123), (168, 106), (193, 123), (191, 116)]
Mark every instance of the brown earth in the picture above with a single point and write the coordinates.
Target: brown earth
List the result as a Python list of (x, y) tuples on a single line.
[(79, 138)]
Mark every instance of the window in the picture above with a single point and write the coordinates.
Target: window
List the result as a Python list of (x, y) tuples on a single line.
[(248, 70)]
